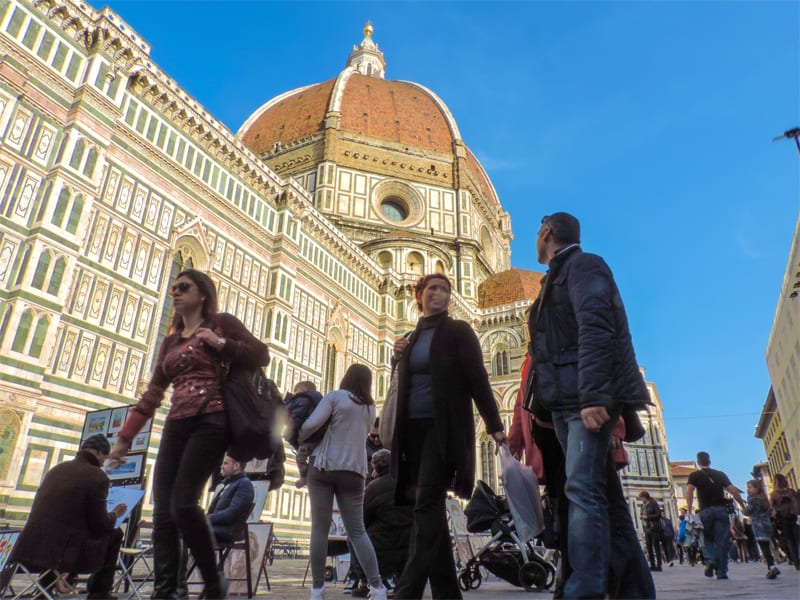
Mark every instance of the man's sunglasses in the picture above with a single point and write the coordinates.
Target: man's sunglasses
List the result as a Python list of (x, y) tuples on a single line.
[(182, 287)]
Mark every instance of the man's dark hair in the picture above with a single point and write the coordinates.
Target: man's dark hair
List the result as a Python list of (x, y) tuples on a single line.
[(703, 459), (566, 228)]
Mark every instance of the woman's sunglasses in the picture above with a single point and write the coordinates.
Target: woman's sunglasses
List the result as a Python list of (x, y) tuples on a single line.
[(182, 287)]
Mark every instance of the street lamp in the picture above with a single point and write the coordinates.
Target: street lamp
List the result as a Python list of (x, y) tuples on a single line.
[(791, 134)]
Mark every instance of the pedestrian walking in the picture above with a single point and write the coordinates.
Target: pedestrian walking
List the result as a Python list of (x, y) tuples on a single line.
[(711, 486), (440, 375), (337, 469), (195, 436), (758, 511)]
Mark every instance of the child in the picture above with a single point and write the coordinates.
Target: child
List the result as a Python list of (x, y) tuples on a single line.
[(758, 511), (301, 405)]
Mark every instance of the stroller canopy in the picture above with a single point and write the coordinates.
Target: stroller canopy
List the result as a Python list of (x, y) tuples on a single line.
[(483, 508)]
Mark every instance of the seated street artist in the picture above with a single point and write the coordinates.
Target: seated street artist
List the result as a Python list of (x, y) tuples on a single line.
[(70, 528), (231, 503)]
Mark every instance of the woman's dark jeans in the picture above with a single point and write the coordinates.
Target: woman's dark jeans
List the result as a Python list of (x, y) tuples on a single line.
[(430, 554), (191, 450)]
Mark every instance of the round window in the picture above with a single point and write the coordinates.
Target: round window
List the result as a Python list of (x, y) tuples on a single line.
[(394, 209)]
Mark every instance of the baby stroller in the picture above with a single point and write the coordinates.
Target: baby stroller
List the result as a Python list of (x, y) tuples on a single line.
[(522, 564)]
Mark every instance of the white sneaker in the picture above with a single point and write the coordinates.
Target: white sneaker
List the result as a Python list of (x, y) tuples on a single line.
[(377, 593), (319, 593)]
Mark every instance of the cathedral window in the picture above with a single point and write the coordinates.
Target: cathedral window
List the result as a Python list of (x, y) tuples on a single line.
[(488, 468), (75, 214), (500, 365), (77, 154), (23, 264), (58, 275), (61, 208), (23, 331), (39, 336), (41, 271), (394, 209)]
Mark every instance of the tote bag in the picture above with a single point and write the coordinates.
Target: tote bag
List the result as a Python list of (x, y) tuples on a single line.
[(522, 495)]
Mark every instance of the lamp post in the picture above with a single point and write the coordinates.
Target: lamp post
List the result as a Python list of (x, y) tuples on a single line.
[(790, 134)]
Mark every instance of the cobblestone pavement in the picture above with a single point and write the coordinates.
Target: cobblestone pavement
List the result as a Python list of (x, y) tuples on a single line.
[(680, 582)]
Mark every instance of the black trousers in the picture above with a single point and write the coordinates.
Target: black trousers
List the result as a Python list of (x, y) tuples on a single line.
[(191, 450), (430, 555), (654, 538)]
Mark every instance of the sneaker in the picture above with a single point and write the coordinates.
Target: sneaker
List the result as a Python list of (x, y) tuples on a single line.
[(317, 593), (377, 593), (776, 570), (771, 574), (351, 584), (709, 570)]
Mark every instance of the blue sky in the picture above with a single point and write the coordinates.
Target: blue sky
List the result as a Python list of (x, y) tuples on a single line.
[(650, 121)]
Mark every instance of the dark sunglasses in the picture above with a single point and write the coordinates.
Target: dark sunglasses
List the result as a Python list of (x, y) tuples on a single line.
[(182, 287)]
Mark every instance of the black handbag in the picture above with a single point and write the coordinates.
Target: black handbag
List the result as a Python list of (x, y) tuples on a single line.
[(251, 407)]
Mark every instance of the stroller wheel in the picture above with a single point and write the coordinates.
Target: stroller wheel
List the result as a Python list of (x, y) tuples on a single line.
[(532, 576), (469, 579)]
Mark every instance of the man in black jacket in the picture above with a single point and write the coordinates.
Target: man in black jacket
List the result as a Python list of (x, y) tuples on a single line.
[(587, 376), (232, 503)]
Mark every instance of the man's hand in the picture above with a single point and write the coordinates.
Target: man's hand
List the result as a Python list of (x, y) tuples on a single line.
[(119, 510), (594, 417), (120, 449)]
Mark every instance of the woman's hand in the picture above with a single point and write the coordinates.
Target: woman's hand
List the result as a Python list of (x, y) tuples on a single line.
[(210, 338), (500, 438), (120, 449), (400, 346)]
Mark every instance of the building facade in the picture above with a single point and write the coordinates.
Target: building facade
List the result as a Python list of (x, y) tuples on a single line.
[(771, 432), (783, 359), (314, 220)]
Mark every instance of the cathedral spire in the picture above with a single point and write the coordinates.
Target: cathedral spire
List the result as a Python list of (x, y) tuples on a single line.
[(366, 58)]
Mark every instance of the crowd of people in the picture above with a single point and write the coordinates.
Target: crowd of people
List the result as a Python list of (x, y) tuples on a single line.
[(578, 402)]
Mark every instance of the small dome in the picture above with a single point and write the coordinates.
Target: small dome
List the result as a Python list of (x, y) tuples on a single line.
[(507, 287)]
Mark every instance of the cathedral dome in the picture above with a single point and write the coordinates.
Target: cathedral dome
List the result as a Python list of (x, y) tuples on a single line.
[(368, 106), (381, 156)]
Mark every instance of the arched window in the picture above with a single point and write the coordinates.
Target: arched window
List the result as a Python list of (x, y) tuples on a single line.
[(268, 324), (5, 313), (23, 264), (75, 214), (39, 336), (61, 208), (488, 468), (330, 367), (57, 277), (500, 364), (41, 271), (91, 161), (45, 195), (77, 154), (23, 331)]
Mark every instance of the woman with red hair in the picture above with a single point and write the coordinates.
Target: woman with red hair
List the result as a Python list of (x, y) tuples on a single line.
[(440, 373)]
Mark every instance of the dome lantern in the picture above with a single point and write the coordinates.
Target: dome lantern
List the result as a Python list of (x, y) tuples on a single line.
[(366, 58)]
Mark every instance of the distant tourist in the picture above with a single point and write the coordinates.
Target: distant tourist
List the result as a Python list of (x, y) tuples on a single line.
[(785, 501), (711, 486), (758, 511)]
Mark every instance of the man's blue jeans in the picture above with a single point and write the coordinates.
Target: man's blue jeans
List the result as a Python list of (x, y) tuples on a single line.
[(600, 532), (716, 526)]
